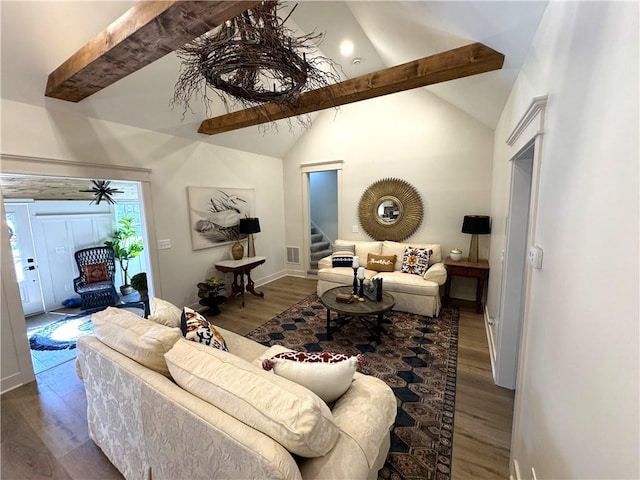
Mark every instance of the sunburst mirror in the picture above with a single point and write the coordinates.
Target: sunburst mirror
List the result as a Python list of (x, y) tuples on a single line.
[(390, 209)]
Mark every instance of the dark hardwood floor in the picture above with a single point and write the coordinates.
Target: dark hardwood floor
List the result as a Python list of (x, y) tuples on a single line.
[(44, 425)]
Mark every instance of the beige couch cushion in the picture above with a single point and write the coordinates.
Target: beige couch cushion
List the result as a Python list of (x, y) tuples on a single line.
[(343, 275), (290, 414), (398, 248), (407, 283), (363, 248), (140, 339), (165, 313)]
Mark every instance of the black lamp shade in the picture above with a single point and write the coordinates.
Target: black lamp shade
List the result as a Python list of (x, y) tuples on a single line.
[(476, 224), (249, 225)]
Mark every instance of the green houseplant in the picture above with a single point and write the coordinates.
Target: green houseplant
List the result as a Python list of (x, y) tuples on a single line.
[(209, 294), (139, 283), (126, 245)]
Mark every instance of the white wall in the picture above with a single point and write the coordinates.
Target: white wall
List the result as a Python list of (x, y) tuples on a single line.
[(175, 163), (415, 136), (577, 399)]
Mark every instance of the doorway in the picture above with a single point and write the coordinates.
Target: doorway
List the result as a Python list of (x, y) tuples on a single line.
[(44, 235), (323, 208), (322, 200), (514, 278), (24, 260)]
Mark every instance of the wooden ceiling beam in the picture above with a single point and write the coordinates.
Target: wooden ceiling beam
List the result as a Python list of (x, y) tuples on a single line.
[(441, 67), (145, 33)]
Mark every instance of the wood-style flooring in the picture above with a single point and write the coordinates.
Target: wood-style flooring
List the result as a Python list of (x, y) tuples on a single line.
[(44, 425)]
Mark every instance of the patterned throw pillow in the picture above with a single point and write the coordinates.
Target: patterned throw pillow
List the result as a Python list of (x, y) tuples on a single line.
[(380, 263), (416, 260), (327, 374), (197, 329), (342, 261), (343, 249), (95, 272)]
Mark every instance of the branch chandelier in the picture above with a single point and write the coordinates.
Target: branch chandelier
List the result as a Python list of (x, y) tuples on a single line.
[(251, 60)]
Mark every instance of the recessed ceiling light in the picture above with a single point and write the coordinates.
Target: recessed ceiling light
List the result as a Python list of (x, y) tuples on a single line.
[(346, 47), (356, 60)]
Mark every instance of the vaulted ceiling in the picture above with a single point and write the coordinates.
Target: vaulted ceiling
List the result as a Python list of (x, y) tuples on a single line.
[(36, 37)]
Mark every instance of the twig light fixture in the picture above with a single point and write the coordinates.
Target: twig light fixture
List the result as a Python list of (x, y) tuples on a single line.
[(251, 60)]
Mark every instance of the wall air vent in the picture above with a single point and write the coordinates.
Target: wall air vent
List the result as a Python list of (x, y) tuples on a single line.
[(293, 255)]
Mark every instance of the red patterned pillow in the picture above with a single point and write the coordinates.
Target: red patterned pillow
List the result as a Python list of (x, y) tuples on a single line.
[(416, 260), (95, 272), (327, 374)]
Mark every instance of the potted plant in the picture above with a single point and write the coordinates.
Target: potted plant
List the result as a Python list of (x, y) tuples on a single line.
[(209, 294), (126, 245), (139, 283)]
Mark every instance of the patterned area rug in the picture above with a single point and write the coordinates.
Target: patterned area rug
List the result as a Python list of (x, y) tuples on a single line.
[(417, 358)]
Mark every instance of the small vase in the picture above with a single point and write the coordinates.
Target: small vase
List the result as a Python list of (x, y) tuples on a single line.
[(237, 251)]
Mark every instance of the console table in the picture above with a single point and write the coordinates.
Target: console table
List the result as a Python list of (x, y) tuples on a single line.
[(240, 268), (464, 268)]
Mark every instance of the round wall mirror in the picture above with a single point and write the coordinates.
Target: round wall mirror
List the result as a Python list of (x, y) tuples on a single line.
[(390, 209)]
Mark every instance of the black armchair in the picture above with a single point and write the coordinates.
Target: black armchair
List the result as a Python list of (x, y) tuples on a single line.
[(97, 267)]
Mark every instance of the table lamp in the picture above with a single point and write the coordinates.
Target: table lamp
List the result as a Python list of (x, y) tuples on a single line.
[(249, 226), (475, 225)]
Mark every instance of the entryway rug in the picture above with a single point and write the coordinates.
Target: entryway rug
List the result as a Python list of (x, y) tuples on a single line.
[(417, 358), (63, 334)]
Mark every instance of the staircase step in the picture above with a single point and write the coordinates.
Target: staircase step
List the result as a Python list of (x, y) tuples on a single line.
[(316, 237), (314, 230), (316, 247), (315, 256)]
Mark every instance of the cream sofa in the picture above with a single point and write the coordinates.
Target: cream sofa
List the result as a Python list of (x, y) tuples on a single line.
[(413, 293), (149, 426)]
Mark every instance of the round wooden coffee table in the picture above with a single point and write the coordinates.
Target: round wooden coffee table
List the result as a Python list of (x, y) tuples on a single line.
[(358, 309)]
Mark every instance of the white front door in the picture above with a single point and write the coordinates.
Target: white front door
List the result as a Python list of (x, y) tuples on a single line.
[(24, 259)]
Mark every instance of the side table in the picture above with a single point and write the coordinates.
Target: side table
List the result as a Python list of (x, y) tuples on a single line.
[(240, 268), (464, 268)]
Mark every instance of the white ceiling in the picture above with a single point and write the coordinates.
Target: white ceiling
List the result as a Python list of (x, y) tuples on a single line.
[(36, 37)]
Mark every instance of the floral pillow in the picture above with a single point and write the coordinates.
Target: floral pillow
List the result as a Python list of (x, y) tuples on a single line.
[(416, 260), (327, 374), (198, 329), (95, 272)]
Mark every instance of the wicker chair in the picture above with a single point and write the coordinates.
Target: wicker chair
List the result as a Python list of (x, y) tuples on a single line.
[(97, 267)]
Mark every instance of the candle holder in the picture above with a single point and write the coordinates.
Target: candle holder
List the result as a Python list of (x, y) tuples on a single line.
[(355, 281), (361, 291)]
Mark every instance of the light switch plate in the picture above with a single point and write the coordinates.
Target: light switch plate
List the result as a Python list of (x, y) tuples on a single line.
[(354, 229), (535, 257)]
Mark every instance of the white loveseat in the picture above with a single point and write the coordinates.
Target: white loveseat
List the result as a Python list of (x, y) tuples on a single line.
[(150, 393), (413, 293)]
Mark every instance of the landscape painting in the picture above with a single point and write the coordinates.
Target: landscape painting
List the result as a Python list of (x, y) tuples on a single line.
[(215, 213)]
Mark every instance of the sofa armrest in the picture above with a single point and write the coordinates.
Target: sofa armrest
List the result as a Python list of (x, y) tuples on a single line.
[(325, 262), (436, 273), (364, 415)]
